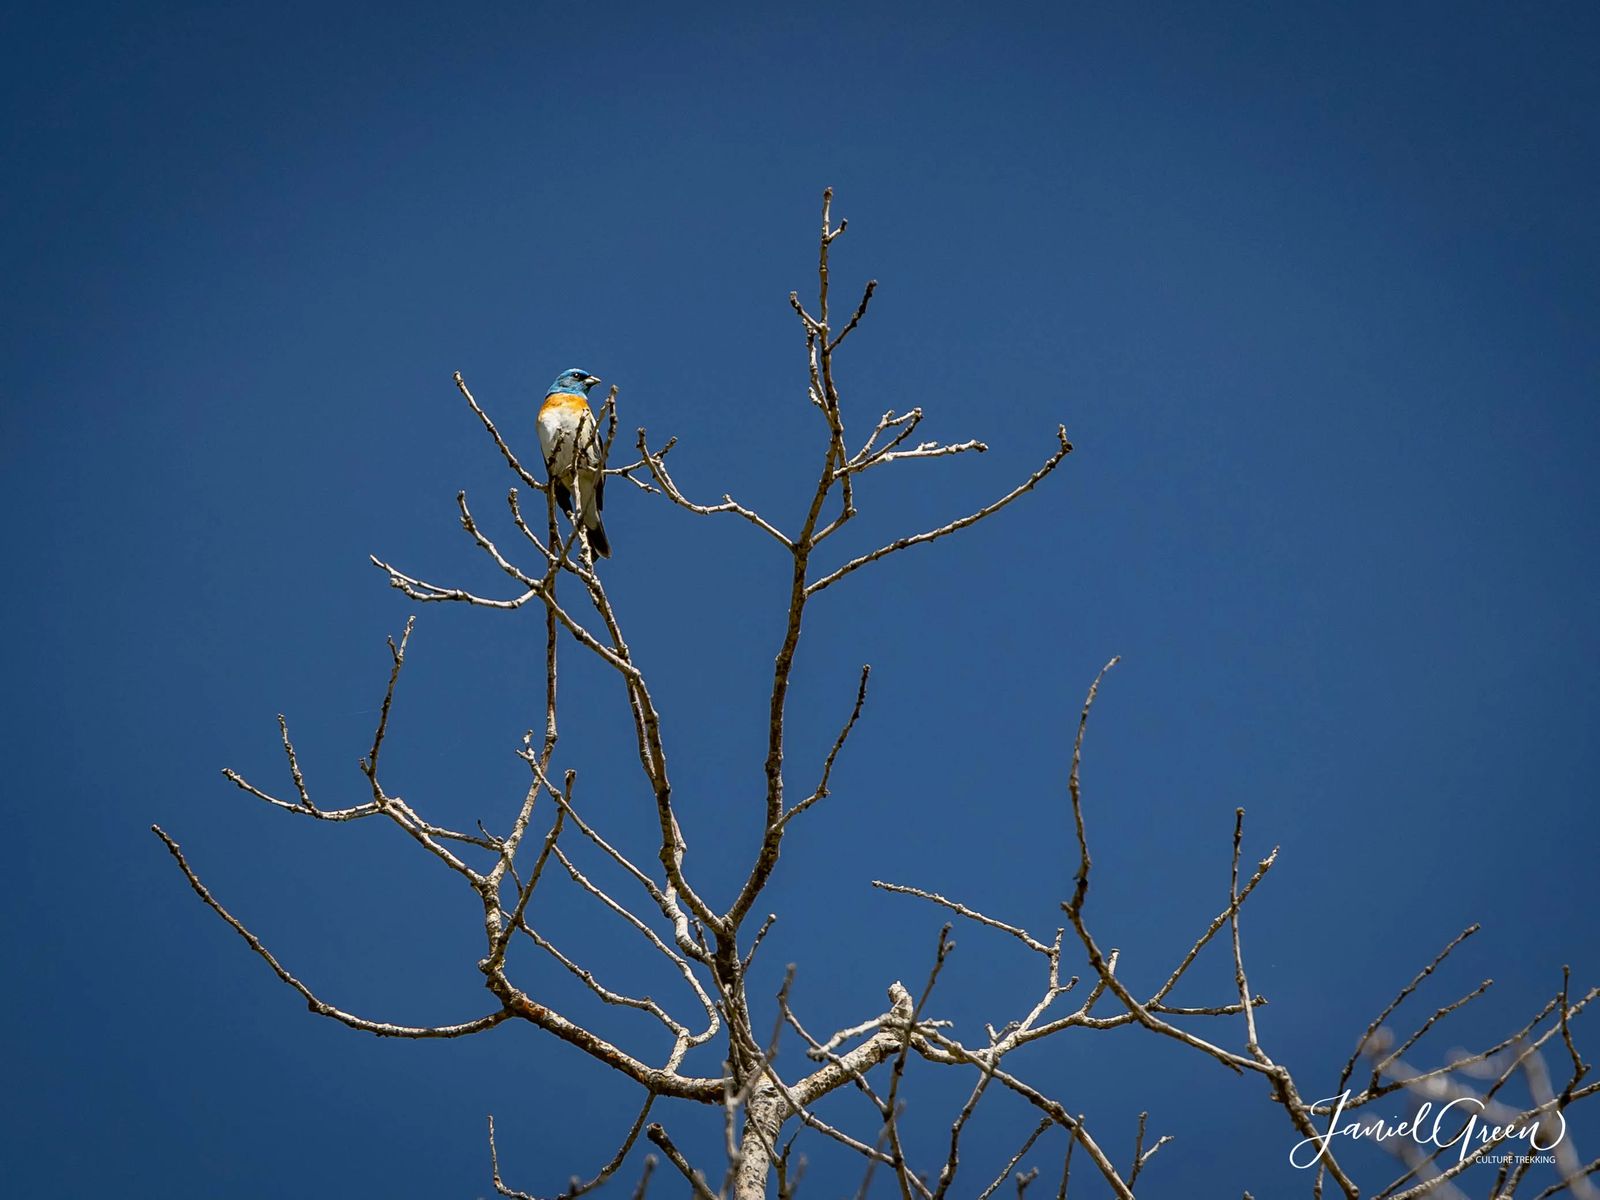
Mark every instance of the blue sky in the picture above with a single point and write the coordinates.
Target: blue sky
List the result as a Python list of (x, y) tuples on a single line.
[(1315, 293)]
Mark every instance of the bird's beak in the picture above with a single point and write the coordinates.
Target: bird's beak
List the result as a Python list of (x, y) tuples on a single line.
[(591, 380)]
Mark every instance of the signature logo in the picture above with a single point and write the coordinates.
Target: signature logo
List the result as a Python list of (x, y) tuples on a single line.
[(1426, 1128)]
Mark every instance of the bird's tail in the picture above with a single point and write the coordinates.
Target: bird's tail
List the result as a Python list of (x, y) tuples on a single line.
[(598, 541), (586, 507), (588, 498)]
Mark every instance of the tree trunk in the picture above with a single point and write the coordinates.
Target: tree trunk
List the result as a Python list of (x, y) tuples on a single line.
[(763, 1117)]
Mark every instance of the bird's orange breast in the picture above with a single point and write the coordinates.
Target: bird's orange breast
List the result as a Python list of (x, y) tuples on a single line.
[(564, 402)]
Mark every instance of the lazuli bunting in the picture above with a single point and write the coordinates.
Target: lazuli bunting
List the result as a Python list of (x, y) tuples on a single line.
[(571, 445)]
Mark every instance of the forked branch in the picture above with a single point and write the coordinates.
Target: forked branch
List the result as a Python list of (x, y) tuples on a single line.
[(759, 1096)]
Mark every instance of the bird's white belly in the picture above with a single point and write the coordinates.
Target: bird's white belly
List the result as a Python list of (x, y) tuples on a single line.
[(562, 433)]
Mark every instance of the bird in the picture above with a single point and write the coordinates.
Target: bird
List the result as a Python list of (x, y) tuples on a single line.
[(570, 443)]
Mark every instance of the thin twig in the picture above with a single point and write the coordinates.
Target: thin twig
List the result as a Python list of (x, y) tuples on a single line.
[(904, 543), (1015, 1159), (321, 1007)]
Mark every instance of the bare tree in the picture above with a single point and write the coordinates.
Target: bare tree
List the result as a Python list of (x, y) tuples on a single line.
[(763, 1107)]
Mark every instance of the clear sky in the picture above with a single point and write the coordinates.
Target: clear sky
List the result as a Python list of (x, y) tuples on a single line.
[(1315, 291)]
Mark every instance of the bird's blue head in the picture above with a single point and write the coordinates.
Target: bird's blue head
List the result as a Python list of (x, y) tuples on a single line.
[(574, 381)]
